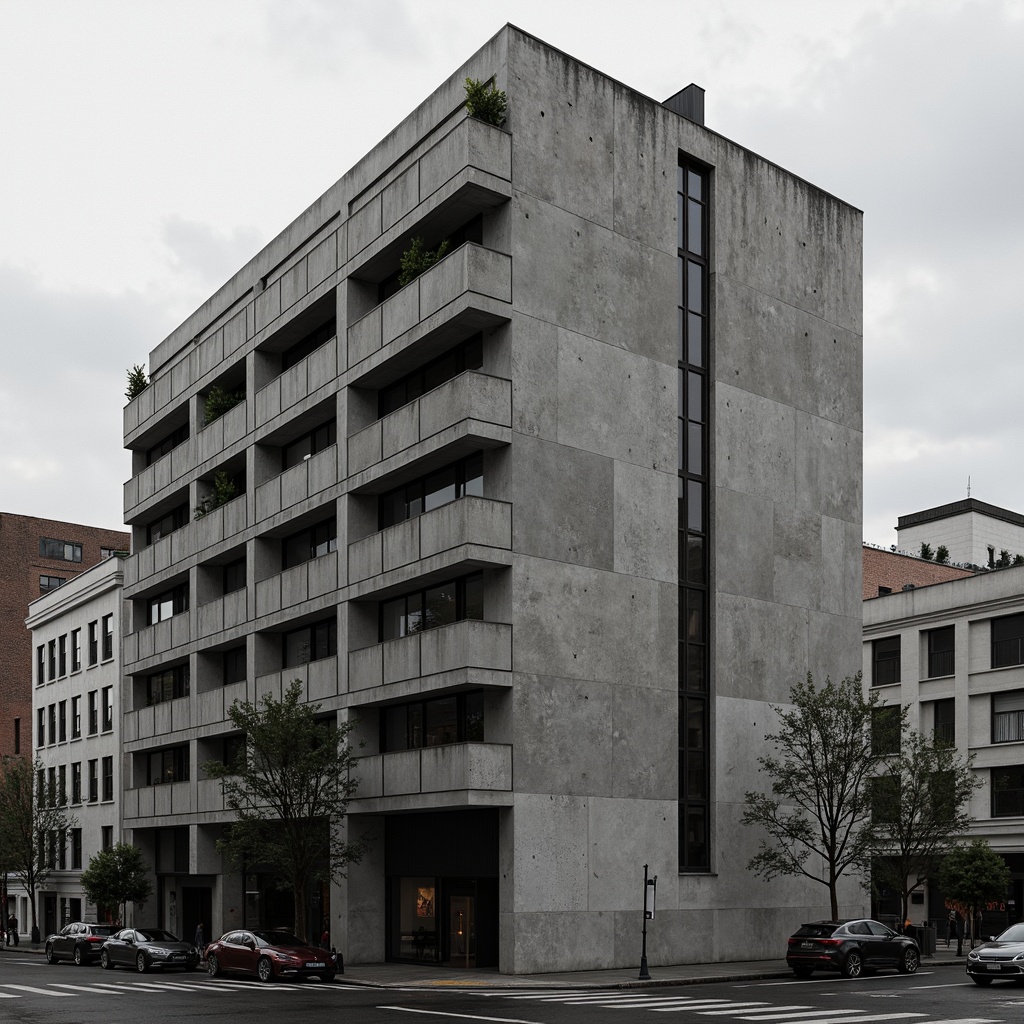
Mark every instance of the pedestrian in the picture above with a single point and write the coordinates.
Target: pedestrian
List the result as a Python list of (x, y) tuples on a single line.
[(950, 926), (977, 927), (199, 942), (12, 930)]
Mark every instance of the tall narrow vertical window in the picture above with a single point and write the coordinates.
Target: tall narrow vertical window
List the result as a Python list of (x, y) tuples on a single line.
[(108, 778), (93, 643), (62, 655), (40, 664), (108, 636), (692, 423), (944, 722), (76, 716), (76, 650), (107, 704), (940, 651)]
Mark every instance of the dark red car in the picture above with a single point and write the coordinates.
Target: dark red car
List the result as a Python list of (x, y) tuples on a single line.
[(269, 955)]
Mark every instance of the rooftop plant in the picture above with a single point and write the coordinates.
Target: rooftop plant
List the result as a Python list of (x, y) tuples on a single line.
[(418, 258), (219, 400), (485, 102), (137, 382), (224, 490)]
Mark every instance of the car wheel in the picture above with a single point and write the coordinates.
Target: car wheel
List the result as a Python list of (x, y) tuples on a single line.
[(265, 969), (105, 962), (327, 977), (803, 972), (79, 956), (212, 965), (852, 965), (909, 962), (140, 963), (50, 958), (981, 981)]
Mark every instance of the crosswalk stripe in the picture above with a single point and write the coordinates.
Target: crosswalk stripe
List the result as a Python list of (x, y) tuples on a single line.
[(39, 991), (838, 1016), (86, 988), (8, 995), (670, 1009)]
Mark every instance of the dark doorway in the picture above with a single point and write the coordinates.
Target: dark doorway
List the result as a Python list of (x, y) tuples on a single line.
[(196, 906), (49, 915)]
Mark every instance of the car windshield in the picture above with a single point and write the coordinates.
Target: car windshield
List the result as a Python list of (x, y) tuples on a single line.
[(279, 938), (156, 935), (1015, 933), (815, 931)]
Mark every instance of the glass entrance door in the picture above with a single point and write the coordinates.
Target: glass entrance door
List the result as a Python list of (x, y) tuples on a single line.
[(462, 931)]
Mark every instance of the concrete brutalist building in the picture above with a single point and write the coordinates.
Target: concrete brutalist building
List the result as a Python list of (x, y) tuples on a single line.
[(555, 523)]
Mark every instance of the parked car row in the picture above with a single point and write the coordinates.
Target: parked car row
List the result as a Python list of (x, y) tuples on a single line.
[(265, 954)]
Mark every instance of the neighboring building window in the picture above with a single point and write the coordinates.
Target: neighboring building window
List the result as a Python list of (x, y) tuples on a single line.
[(944, 725), (76, 650), (51, 783), (167, 524), (170, 684), (429, 492), (170, 602), (458, 718), (40, 728), (1008, 641), (51, 649), (882, 591), (76, 849), (1008, 717), (234, 666), (76, 717), (162, 447), (62, 655), (1008, 792), (41, 787), (467, 356), (234, 576), (886, 661), (107, 704), (76, 782), (106, 837), (65, 550), (94, 781), (108, 637), (52, 717), (310, 343), (311, 643), (94, 650), (435, 606), (62, 785), (164, 766), (108, 778), (107, 553), (305, 447), (940, 651), (309, 543), (41, 664), (62, 721), (17, 735), (48, 583), (94, 720)]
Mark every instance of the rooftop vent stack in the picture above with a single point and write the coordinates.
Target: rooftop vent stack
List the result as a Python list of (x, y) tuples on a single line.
[(688, 102), (909, 586)]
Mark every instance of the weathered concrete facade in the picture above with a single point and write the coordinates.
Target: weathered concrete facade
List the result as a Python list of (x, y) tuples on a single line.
[(569, 278)]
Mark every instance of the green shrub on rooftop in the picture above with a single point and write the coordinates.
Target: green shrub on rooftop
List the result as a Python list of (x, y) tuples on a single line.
[(485, 102)]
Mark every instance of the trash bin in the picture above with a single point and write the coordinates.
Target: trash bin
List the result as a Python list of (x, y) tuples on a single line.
[(926, 940)]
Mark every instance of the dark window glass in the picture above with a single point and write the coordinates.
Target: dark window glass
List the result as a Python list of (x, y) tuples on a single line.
[(695, 506), (94, 717), (695, 567), (76, 650), (51, 648), (41, 664), (108, 634), (694, 287), (170, 521), (436, 606), (94, 649), (884, 796), (48, 583), (310, 343), (62, 655), (52, 716), (457, 718), (62, 722), (163, 606), (1008, 641), (885, 730), (311, 643), (940, 652), (305, 447), (441, 721), (454, 481), (94, 781), (234, 666), (164, 766), (170, 684), (63, 550), (40, 728), (233, 576), (163, 446), (312, 542), (108, 778), (694, 841), (886, 661), (467, 356), (1008, 792), (1008, 717), (695, 229), (945, 722), (76, 717), (76, 782)]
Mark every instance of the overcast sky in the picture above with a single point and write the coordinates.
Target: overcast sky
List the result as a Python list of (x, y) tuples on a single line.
[(149, 149)]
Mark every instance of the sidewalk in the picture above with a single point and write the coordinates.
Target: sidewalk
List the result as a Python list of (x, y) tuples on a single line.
[(415, 976)]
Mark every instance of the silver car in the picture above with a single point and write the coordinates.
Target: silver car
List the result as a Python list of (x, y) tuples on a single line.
[(1001, 957)]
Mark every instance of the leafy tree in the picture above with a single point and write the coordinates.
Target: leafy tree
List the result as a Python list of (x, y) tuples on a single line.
[(485, 102), (817, 822), (942, 555), (920, 808), (1003, 561), (224, 490), (1018, 559), (417, 259), (34, 823), (289, 785), (926, 551), (219, 400), (973, 876), (137, 382), (116, 877)]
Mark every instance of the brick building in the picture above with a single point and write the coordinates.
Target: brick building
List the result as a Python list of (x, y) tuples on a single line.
[(36, 556)]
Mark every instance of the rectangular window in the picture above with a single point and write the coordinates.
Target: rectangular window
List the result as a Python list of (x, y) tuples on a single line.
[(940, 651), (449, 483), (170, 602), (51, 786), (944, 724), (1008, 717), (1008, 641), (108, 637), (76, 717), (234, 576), (1008, 792), (17, 735), (166, 444), (886, 661), (51, 658), (76, 849), (76, 782), (76, 650), (48, 583), (62, 655), (94, 649), (884, 795), (108, 778), (51, 712), (107, 704), (234, 666), (165, 766), (311, 643), (41, 664), (106, 837), (309, 343), (94, 718), (94, 781), (62, 721), (435, 606), (454, 719), (62, 785), (170, 521), (309, 543), (64, 550), (171, 684), (305, 447), (466, 356), (41, 727)]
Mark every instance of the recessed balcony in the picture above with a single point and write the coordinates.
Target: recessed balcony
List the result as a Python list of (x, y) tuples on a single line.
[(298, 483), (223, 432), (149, 802), (297, 384), (305, 582), (222, 613), (163, 474)]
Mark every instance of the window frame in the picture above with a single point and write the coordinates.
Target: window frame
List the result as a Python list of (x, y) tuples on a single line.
[(1012, 651), (886, 651), (323, 631), (319, 535), (1008, 722)]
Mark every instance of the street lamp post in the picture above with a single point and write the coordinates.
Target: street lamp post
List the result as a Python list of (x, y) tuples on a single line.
[(650, 888)]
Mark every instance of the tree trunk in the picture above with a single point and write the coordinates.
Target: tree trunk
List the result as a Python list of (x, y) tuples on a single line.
[(299, 895), (834, 900)]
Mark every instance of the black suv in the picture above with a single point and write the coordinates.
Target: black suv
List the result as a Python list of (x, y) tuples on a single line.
[(77, 941), (850, 947)]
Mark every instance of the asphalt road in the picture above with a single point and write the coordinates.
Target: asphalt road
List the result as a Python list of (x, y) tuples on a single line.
[(33, 992)]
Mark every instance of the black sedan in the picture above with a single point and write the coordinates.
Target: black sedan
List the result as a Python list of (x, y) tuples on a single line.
[(144, 948), (850, 947), (77, 941), (269, 955), (1001, 957)]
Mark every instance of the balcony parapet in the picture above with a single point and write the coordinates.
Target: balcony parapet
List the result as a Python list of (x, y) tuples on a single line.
[(306, 582), (299, 384), (148, 802), (222, 613), (222, 433), (155, 481), (319, 680), (297, 484)]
